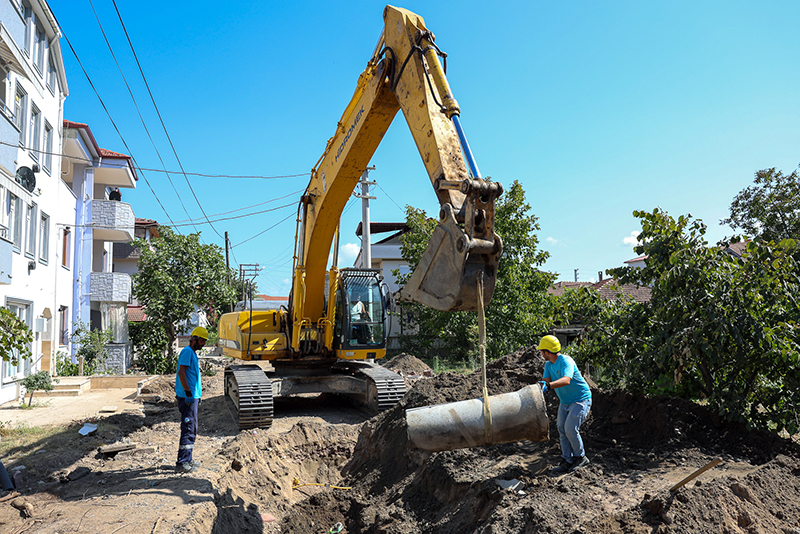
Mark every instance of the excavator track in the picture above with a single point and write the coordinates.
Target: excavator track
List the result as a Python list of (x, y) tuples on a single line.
[(250, 389), (385, 387)]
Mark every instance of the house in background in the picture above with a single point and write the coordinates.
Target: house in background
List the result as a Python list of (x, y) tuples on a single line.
[(100, 296), (35, 204), (386, 257), (608, 288)]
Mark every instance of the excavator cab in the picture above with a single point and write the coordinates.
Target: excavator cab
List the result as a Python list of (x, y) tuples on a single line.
[(361, 313)]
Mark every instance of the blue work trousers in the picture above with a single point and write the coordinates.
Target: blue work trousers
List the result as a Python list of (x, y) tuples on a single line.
[(570, 419), (188, 428)]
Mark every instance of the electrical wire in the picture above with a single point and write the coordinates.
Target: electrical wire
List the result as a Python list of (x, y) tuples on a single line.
[(198, 221), (253, 206), (136, 105), (246, 176), (389, 197), (108, 113), (264, 231), (152, 99)]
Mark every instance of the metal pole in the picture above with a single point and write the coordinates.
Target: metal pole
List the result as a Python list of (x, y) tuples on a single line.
[(366, 248)]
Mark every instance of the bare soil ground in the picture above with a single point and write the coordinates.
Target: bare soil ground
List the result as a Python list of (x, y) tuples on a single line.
[(325, 462)]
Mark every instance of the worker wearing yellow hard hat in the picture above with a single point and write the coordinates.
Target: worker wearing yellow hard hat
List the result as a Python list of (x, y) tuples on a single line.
[(561, 374), (188, 389)]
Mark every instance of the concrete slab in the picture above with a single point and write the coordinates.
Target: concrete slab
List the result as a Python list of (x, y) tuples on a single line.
[(64, 410)]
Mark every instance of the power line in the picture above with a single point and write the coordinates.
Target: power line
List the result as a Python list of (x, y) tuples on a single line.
[(152, 99), (237, 216), (390, 198), (263, 231), (87, 160), (136, 105), (102, 103), (255, 177), (253, 206)]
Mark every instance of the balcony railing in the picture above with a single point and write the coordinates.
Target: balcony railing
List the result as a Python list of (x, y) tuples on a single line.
[(110, 287), (112, 220)]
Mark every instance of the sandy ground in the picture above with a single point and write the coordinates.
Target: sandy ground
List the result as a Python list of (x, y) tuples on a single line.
[(325, 462), (54, 410)]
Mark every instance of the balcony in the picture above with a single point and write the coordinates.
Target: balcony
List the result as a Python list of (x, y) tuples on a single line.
[(112, 221), (110, 287)]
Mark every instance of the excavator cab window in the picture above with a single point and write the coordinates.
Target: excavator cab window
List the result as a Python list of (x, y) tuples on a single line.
[(364, 305)]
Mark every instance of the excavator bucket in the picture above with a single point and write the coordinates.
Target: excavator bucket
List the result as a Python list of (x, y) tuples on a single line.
[(445, 278)]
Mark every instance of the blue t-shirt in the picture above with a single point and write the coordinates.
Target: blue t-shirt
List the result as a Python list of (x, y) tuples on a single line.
[(188, 358), (577, 390)]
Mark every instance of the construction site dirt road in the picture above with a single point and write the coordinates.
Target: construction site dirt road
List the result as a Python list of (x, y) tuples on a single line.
[(325, 466)]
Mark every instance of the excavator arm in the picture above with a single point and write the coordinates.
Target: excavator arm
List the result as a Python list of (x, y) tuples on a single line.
[(405, 74)]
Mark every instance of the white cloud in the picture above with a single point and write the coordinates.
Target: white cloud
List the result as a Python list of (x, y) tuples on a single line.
[(287, 282), (632, 240), (348, 253), (552, 240)]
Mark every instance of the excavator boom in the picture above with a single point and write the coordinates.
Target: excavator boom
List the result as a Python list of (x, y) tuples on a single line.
[(404, 74)]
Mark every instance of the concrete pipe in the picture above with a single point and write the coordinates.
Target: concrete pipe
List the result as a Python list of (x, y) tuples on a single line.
[(458, 425)]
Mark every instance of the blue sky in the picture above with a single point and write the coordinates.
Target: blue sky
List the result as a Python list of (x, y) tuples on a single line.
[(597, 108)]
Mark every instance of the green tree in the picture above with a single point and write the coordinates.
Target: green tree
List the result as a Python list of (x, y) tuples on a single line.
[(717, 327), (519, 309), (770, 209), (177, 272), (15, 337)]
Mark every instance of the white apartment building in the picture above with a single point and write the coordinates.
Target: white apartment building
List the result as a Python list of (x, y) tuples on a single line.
[(33, 198), (56, 222)]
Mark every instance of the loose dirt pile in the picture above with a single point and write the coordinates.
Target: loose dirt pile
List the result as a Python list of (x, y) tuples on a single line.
[(324, 463)]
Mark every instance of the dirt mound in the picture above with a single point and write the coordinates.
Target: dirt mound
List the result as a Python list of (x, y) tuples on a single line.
[(639, 447), (407, 364), (162, 386), (322, 462)]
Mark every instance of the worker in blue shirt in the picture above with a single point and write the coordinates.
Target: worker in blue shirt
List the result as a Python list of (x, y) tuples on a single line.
[(562, 375), (189, 390)]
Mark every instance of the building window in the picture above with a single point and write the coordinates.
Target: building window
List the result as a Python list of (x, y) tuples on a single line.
[(30, 224), (14, 211), (27, 14), (36, 131), (11, 370), (65, 247), (20, 104), (47, 146), (39, 46), (44, 238), (63, 325), (51, 75)]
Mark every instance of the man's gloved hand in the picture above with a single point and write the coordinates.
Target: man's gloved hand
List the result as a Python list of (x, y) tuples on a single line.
[(544, 386), (188, 394)]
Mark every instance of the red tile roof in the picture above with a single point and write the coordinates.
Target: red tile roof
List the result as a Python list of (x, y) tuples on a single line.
[(102, 152), (136, 314)]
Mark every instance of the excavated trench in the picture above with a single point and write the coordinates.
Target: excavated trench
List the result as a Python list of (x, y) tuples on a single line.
[(639, 448)]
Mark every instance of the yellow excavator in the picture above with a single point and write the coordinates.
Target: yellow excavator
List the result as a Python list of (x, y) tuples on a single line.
[(333, 330)]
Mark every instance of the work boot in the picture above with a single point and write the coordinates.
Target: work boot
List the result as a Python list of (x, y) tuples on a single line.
[(561, 468), (186, 467), (577, 463)]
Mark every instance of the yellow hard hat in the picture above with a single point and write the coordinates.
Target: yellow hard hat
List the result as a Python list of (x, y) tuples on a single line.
[(550, 344), (200, 332)]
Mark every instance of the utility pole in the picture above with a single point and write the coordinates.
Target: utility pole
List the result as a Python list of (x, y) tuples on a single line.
[(366, 248), (248, 270), (576, 275), (227, 260)]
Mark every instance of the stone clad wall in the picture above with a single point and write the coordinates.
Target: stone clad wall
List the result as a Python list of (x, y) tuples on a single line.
[(120, 358), (111, 287)]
